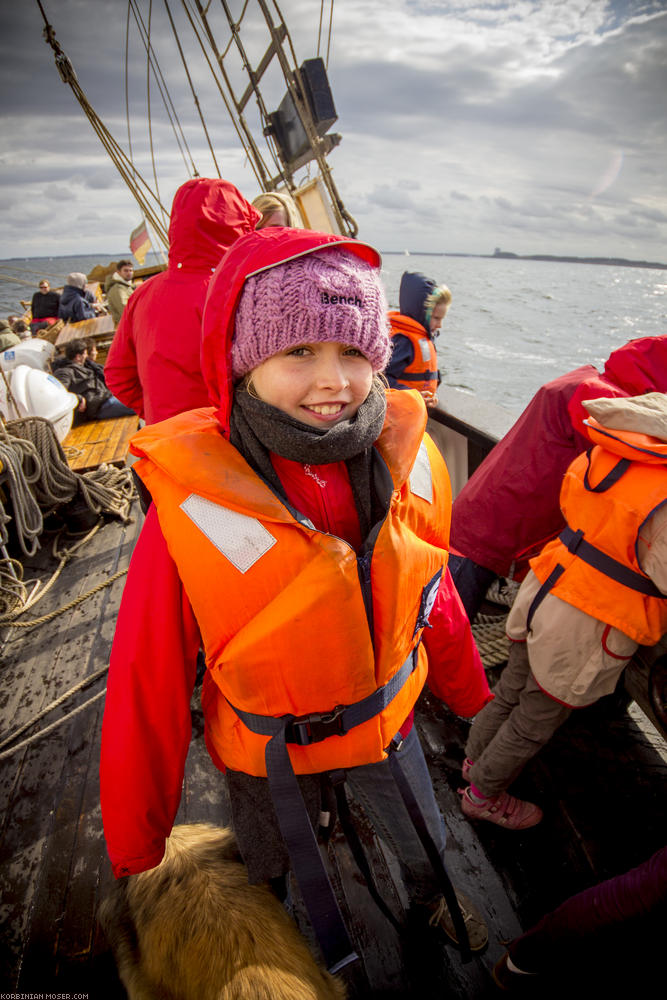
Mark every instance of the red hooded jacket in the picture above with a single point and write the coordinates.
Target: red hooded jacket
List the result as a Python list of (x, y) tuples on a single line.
[(510, 507), (147, 727), (154, 364)]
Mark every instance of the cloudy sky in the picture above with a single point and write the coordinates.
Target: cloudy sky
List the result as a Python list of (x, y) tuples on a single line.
[(537, 126)]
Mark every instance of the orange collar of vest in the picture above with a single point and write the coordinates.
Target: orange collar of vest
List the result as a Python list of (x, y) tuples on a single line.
[(177, 445)]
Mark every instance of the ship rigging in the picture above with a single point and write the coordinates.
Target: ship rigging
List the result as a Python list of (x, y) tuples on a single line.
[(239, 50)]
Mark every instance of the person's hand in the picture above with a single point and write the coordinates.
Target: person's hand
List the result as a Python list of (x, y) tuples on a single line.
[(82, 404), (430, 397)]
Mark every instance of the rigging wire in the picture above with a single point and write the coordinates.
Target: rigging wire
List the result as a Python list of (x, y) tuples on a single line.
[(264, 116), (238, 25), (168, 103), (127, 83), (326, 64), (148, 99), (194, 95), (319, 30), (138, 187), (243, 133)]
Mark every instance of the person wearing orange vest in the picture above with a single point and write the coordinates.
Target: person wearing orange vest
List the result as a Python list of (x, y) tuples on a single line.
[(299, 532), (591, 596), (414, 364)]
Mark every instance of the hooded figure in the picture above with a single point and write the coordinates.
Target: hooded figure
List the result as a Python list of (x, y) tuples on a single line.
[(509, 508), (414, 363), (76, 304), (153, 365)]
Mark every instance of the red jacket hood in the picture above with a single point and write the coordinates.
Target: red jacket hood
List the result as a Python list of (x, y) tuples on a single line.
[(638, 367), (258, 251), (207, 216)]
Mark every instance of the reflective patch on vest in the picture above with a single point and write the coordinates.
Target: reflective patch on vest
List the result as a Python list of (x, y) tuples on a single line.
[(429, 594), (425, 347), (241, 539), (421, 481)]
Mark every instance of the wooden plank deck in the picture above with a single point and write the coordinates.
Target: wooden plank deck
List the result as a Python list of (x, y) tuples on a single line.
[(99, 326), (95, 442), (601, 782)]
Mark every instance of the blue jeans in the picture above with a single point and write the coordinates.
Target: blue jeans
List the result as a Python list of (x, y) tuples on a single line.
[(374, 787), (113, 407)]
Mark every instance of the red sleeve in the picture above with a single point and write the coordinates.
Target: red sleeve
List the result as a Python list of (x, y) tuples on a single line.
[(120, 370), (455, 674), (146, 728)]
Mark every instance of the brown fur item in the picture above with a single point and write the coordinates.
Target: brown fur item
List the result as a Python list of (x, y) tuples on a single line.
[(193, 929)]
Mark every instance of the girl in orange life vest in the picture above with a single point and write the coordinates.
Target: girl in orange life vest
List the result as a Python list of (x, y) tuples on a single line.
[(298, 530), (414, 364), (590, 597)]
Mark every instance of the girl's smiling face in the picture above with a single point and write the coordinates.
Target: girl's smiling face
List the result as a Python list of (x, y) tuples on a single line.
[(319, 384)]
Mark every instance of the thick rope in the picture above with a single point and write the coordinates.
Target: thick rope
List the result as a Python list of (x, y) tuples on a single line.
[(54, 725), (489, 630), (11, 619), (20, 463), (104, 490), (490, 638), (48, 483), (54, 704)]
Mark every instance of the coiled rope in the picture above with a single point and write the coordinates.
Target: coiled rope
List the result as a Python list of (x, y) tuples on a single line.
[(104, 490), (39, 477), (489, 630), (22, 467)]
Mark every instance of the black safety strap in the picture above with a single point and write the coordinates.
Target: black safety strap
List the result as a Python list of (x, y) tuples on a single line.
[(554, 575), (306, 860), (419, 823), (358, 853), (295, 827), (576, 543), (612, 476), (418, 377)]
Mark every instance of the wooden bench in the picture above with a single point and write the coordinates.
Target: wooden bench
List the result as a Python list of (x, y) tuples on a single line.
[(95, 442)]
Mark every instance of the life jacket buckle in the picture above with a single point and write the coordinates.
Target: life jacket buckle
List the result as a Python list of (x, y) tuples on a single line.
[(315, 727), (575, 541)]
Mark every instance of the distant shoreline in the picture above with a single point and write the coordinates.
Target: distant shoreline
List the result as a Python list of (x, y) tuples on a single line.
[(553, 258)]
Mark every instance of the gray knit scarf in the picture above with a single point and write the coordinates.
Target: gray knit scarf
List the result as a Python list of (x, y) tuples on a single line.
[(257, 429)]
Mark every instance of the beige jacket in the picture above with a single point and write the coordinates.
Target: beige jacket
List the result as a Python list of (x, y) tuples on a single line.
[(576, 658)]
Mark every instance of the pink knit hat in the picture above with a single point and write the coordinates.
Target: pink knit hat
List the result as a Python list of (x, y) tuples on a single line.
[(326, 296)]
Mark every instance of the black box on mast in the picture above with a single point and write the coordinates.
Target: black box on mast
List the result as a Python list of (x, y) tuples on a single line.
[(286, 125), (318, 93)]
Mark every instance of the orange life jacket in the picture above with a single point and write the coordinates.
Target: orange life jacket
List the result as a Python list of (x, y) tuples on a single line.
[(292, 621), (422, 372), (606, 497)]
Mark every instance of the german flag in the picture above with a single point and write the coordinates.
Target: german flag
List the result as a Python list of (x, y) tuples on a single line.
[(140, 242)]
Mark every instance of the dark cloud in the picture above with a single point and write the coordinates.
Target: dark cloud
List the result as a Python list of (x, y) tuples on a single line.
[(511, 116)]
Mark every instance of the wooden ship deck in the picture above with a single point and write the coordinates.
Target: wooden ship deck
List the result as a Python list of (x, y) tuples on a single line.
[(601, 782)]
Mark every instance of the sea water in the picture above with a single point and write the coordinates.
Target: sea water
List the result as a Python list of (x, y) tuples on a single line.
[(513, 324)]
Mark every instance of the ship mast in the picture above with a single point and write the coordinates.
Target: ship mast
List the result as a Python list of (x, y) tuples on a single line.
[(318, 145), (293, 135)]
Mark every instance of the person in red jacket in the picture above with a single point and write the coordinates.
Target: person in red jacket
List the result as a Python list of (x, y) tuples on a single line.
[(509, 507), (278, 521), (153, 364)]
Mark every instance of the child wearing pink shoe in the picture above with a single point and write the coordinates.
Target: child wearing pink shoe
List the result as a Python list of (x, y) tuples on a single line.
[(591, 596)]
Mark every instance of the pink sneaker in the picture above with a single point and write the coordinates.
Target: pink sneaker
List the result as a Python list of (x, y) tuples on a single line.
[(465, 768), (504, 809)]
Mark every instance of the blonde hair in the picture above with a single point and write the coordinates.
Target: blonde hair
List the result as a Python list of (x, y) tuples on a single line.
[(440, 294), (277, 201)]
